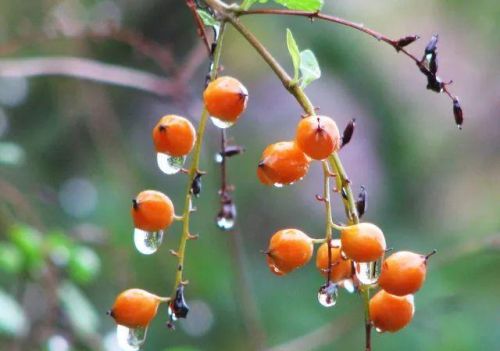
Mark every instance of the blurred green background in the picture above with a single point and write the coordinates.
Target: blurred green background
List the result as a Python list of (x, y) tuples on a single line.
[(73, 153)]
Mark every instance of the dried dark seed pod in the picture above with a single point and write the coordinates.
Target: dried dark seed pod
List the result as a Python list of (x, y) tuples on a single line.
[(401, 43), (432, 45), (348, 132), (196, 185), (227, 215), (179, 306), (433, 65), (233, 150), (362, 202), (458, 113), (434, 83), (344, 193)]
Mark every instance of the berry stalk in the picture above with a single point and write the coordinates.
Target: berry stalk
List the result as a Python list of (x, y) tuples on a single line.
[(193, 169)]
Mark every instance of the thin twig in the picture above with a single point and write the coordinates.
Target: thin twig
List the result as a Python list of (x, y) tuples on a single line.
[(199, 23), (90, 70)]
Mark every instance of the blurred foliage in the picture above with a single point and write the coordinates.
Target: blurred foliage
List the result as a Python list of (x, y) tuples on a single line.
[(73, 153)]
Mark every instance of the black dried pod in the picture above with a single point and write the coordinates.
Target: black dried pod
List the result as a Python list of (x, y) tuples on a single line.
[(458, 113), (179, 306), (432, 45), (362, 202), (196, 185), (233, 150), (344, 194), (401, 43), (433, 65), (434, 83), (348, 132)]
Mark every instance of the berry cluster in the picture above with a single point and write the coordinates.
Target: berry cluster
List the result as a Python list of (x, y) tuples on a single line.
[(174, 137)]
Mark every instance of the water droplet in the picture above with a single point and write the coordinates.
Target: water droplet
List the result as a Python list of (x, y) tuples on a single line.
[(130, 339), (147, 243), (327, 294), (278, 185), (368, 272), (225, 223), (379, 330), (218, 158), (348, 285), (220, 123), (170, 164)]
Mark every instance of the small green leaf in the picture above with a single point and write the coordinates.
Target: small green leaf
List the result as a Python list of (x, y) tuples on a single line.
[(11, 154), (29, 241), (84, 265), (293, 49), (246, 4), (11, 258), (309, 68), (80, 312), (304, 5), (13, 321), (59, 247), (208, 19)]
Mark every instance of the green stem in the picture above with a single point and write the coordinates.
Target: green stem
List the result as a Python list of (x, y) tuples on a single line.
[(193, 170)]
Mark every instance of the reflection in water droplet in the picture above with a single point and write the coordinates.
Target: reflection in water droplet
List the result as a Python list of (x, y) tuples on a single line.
[(218, 158), (147, 243), (348, 285), (130, 339), (170, 164), (220, 123), (368, 272), (327, 295), (225, 223), (278, 185)]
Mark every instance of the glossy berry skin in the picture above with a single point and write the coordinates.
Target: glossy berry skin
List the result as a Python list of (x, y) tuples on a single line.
[(318, 136), (390, 312), (135, 308), (174, 135), (288, 249), (363, 242), (282, 163), (225, 98), (152, 211), (403, 273), (341, 268)]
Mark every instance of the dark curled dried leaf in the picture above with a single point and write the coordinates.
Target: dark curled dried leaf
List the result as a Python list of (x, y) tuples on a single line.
[(196, 185), (179, 306), (434, 83), (458, 113), (233, 150), (348, 132), (362, 202), (401, 43), (432, 45), (433, 65)]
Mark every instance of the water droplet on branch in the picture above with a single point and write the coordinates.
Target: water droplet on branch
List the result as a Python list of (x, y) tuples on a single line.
[(220, 123), (368, 272), (327, 294)]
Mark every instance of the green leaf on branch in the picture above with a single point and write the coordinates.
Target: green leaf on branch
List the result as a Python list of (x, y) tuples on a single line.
[(309, 68), (246, 4), (80, 312), (13, 320), (293, 49), (84, 265), (11, 258), (29, 241), (304, 5), (208, 19)]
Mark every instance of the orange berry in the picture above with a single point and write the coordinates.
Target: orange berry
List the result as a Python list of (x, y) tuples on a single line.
[(225, 98), (341, 268), (363, 242), (174, 135), (318, 136), (152, 211), (390, 312), (282, 163), (403, 273), (135, 308), (288, 249)]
